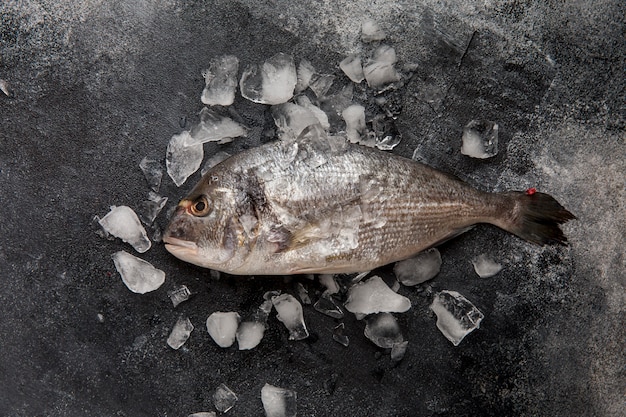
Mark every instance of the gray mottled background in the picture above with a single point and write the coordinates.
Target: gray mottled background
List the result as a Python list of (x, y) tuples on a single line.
[(98, 85)]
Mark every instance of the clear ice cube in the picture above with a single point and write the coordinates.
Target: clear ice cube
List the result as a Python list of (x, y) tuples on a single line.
[(221, 81), (290, 314), (222, 326), (138, 275), (371, 31), (327, 305), (249, 334), (420, 268), (179, 295), (272, 83), (321, 116), (328, 281), (383, 330), (374, 296), (339, 336), (224, 398), (480, 139), (456, 315), (214, 127), (278, 402), (291, 119), (380, 69), (152, 171), (180, 333), (485, 267), (182, 160), (351, 66), (122, 222), (151, 207), (303, 293), (214, 160), (398, 351), (321, 83)]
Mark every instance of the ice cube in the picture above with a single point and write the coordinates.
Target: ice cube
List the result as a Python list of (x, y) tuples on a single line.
[(182, 160), (272, 83), (321, 83), (221, 81), (371, 31), (138, 275), (291, 120), (303, 293), (339, 336), (374, 296), (249, 334), (335, 104), (180, 333), (485, 267), (214, 160), (380, 70), (328, 281), (5, 87), (305, 74), (354, 116), (179, 295), (203, 414), (290, 314), (151, 207), (224, 398), (420, 268), (327, 305), (480, 139), (398, 350), (153, 172), (122, 222), (223, 327), (322, 117), (386, 132), (351, 66), (383, 330), (214, 127), (278, 402), (456, 315)]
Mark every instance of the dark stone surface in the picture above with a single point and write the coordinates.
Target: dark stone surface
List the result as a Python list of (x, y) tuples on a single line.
[(100, 85)]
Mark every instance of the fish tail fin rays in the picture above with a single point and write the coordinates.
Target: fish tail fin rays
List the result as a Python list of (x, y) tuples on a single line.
[(535, 217)]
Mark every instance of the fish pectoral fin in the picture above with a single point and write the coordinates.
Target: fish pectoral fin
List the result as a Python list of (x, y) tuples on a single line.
[(286, 240), (452, 235)]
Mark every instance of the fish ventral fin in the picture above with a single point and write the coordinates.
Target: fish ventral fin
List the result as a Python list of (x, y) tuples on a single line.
[(536, 218)]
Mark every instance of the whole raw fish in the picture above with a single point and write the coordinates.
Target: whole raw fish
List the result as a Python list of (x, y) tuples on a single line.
[(324, 206)]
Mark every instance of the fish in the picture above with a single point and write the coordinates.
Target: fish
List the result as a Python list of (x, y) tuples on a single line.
[(328, 206)]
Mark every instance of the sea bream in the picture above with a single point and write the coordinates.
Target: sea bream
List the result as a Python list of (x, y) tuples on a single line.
[(326, 206)]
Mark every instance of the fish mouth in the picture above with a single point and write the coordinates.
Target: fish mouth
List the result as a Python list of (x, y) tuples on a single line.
[(182, 249)]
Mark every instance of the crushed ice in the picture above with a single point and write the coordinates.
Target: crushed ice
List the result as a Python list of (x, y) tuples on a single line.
[(422, 267), (213, 127), (152, 171), (138, 275), (151, 207), (480, 139), (278, 402), (180, 333), (224, 398), (485, 266), (122, 222), (456, 315), (179, 295), (222, 327), (182, 160), (271, 83), (289, 312), (383, 330), (214, 160), (221, 81), (374, 296)]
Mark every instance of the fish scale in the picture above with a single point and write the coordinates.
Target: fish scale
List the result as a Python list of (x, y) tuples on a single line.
[(322, 208)]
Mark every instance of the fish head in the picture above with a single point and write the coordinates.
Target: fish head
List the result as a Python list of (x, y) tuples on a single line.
[(202, 230)]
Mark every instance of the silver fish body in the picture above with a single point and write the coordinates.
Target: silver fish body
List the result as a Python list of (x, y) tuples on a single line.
[(330, 207)]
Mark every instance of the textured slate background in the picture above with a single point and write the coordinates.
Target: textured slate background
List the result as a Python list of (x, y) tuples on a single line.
[(99, 85)]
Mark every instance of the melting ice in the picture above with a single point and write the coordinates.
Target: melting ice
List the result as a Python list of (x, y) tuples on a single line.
[(480, 139), (152, 171), (351, 66), (374, 296), (383, 330), (223, 327), (272, 83), (214, 127), (138, 275), (291, 119), (339, 336), (151, 207), (182, 160), (122, 222), (371, 31), (278, 402), (224, 398), (456, 315), (354, 117), (380, 69), (221, 81), (485, 267), (290, 314), (214, 160), (179, 295), (250, 332), (420, 268), (180, 333)]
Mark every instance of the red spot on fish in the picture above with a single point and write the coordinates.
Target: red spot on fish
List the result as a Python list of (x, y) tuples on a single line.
[(531, 191)]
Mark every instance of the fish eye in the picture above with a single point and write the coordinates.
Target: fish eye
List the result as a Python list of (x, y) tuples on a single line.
[(200, 207)]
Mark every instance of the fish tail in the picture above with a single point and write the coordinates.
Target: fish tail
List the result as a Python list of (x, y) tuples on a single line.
[(534, 216)]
